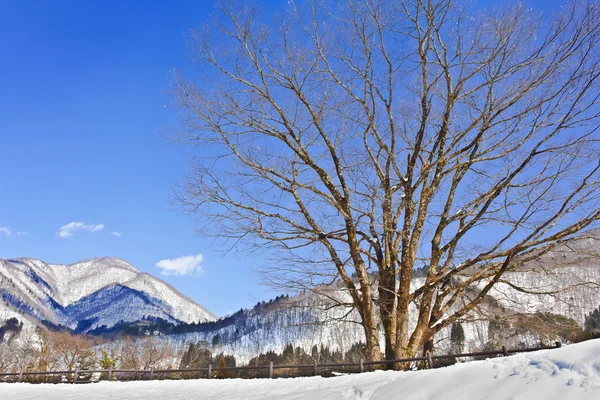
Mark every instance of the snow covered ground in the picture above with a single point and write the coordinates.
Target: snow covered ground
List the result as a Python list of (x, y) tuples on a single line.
[(571, 372)]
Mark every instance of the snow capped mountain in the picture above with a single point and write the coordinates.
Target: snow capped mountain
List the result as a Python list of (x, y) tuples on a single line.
[(91, 294), (97, 295)]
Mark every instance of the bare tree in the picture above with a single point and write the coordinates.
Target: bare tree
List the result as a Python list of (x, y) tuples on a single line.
[(156, 353), (360, 140), (6, 358), (24, 354), (48, 355), (72, 351), (130, 354), (147, 352)]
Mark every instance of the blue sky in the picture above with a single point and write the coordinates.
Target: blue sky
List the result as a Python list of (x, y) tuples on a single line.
[(82, 113)]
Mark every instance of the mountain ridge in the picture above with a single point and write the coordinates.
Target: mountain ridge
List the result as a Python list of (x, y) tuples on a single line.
[(305, 320), (49, 292)]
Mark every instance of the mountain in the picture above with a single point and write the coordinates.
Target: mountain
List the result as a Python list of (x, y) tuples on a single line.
[(543, 300), (91, 294)]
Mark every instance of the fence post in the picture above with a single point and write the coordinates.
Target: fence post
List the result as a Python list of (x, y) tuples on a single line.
[(362, 365), (21, 376), (151, 373), (110, 373), (315, 368), (429, 360), (557, 344), (504, 351), (75, 375), (209, 371), (271, 369)]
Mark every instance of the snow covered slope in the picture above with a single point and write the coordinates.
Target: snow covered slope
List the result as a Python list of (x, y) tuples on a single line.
[(91, 294), (571, 372), (563, 282), (569, 276)]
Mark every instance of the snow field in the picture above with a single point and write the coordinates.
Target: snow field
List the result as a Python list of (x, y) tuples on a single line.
[(571, 372)]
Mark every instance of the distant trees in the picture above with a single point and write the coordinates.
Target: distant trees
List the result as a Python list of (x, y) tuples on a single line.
[(47, 351), (62, 350), (457, 338), (592, 324), (107, 360), (5, 357), (198, 355), (9, 328), (225, 361), (24, 355), (145, 353), (48, 357), (362, 140), (291, 355), (73, 351)]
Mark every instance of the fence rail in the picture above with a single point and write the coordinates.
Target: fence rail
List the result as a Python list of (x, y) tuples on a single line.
[(151, 373)]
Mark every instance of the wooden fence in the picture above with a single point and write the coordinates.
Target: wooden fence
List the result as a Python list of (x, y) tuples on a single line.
[(151, 374)]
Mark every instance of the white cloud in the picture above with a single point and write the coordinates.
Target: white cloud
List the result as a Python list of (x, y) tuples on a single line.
[(117, 234), (184, 265), (69, 229), (8, 232)]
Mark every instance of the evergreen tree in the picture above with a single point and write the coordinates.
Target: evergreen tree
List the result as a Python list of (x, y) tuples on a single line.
[(315, 352), (221, 363), (457, 338), (288, 353), (355, 353), (592, 323)]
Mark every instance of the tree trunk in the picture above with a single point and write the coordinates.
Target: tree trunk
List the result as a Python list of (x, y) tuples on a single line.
[(408, 346), (372, 349), (402, 309), (387, 308), (402, 337)]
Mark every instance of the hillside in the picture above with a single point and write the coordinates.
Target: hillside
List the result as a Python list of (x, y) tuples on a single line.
[(541, 301)]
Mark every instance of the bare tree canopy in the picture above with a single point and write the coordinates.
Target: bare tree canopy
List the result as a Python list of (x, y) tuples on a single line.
[(359, 140)]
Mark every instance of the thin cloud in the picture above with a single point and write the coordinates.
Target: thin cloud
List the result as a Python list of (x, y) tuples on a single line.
[(116, 234), (184, 265), (70, 228), (8, 232)]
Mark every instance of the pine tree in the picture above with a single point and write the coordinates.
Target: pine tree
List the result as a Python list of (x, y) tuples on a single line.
[(221, 363), (288, 353), (592, 323), (457, 338), (315, 352)]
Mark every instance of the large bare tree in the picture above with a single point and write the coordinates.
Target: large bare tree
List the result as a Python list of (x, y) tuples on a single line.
[(360, 140)]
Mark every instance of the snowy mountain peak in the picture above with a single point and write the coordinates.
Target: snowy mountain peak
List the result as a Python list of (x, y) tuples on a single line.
[(102, 291), (112, 262)]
